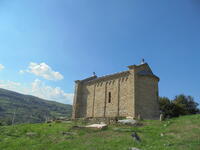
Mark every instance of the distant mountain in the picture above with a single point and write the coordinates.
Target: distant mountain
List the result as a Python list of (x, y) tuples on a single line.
[(29, 109)]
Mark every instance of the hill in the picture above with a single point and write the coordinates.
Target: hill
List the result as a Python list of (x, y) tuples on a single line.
[(181, 133), (29, 109)]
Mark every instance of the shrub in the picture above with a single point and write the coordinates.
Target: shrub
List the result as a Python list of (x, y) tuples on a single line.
[(180, 105)]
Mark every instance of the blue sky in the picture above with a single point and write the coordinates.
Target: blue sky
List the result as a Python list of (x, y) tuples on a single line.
[(47, 44)]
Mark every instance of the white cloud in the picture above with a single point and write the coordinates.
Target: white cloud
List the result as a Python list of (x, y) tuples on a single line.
[(10, 85), (53, 93), (1, 67), (21, 71), (43, 70), (39, 89)]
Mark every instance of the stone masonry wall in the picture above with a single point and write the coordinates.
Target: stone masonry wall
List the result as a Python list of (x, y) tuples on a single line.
[(96, 95), (126, 97), (147, 97), (79, 106), (99, 100), (89, 98)]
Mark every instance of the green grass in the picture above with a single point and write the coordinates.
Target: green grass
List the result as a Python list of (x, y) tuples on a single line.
[(179, 134)]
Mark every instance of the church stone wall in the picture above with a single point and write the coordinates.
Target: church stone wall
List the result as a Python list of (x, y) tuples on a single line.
[(89, 95), (112, 107), (99, 100), (97, 94), (79, 105), (126, 97), (147, 97)]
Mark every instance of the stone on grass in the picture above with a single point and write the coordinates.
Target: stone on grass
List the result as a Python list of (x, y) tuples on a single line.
[(97, 126), (49, 121), (139, 117), (161, 117), (77, 127), (136, 137), (68, 133), (31, 134), (128, 122), (134, 148)]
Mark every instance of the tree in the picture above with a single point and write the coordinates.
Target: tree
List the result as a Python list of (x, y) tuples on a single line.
[(185, 105), (167, 108), (181, 105)]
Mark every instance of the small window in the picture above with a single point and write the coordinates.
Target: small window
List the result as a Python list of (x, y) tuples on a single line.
[(109, 97)]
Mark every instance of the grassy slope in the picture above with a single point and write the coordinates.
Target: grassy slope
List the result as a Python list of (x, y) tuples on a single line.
[(29, 109), (179, 134)]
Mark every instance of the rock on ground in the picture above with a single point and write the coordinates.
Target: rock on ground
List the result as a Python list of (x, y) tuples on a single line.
[(128, 121), (136, 137), (134, 148), (98, 126), (31, 134)]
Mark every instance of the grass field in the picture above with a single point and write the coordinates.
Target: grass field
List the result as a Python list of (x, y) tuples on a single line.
[(181, 133)]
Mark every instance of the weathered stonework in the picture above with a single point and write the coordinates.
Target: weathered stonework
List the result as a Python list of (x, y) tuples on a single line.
[(130, 93)]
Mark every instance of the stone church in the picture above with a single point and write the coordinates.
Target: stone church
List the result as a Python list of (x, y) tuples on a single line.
[(131, 93)]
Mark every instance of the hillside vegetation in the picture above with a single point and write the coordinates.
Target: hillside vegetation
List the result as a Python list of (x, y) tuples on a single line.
[(29, 109), (181, 133)]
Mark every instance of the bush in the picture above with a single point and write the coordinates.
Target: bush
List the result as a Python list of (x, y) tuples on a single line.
[(180, 105)]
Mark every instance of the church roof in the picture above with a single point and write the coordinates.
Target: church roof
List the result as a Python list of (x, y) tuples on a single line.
[(147, 72), (110, 75), (144, 72)]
